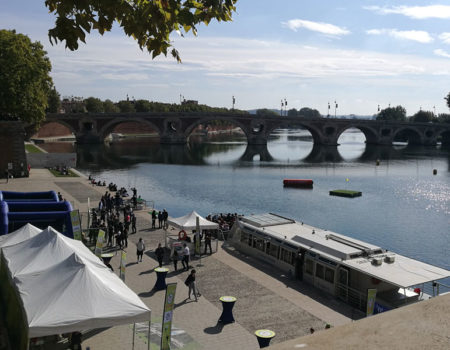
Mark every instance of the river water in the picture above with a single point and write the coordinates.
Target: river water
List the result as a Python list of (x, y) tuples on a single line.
[(403, 208)]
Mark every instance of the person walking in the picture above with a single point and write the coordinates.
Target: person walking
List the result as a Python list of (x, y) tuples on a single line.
[(186, 255), (208, 242), (140, 249), (133, 223), (175, 258), (190, 282), (154, 219), (159, 252)]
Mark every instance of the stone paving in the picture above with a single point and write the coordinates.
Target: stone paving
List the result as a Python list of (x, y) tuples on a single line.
[(265, 299)]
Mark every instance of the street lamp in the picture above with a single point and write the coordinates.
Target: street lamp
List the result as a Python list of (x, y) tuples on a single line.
[(234, 101), (328, 115), (282, 104), (285, 107), (434, 110), (335, 107)]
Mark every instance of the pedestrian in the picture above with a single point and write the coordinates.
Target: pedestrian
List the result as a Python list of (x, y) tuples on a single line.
[(133, 223), (75, 341), (140, 249), (190, 282), (125, 237), (159, 252), (165, 216), (185, 259), (160, 219), (154, 219), (208, 242), (60, 197), (175, 258)]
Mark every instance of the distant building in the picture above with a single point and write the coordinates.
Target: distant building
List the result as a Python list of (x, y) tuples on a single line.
[(73, 104), (189, 102)]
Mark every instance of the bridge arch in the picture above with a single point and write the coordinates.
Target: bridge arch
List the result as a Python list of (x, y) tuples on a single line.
[(56, 121), (370, 134), (315, 132), (228, 120), (105, 130), (408, 134)]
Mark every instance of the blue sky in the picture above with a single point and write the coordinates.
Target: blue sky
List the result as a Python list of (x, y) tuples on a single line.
[(359, 53)]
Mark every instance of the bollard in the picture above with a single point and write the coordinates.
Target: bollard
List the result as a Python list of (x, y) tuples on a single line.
[(264, 337)]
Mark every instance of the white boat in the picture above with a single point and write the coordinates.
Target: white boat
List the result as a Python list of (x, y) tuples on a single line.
[(342, 266)]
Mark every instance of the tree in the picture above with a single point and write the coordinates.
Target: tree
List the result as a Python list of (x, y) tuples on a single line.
[(94, 105), (444, 118), (25, 81), (423, 117), (126, 107), (54, 101), (110, 107), (264, 112), (292, 112), (309, 113), (149, 22), (142, 106), (392, 113), (447, 98)]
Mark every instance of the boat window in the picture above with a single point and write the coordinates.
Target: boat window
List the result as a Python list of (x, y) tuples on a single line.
[(244, 237), (272, 250), (329, 275), (309, 266), (258, 243), (285, 256), (319, 271)]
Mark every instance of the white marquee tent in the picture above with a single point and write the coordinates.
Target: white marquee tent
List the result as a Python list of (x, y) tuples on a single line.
[(189, 222), (66, 288), (20, 235)]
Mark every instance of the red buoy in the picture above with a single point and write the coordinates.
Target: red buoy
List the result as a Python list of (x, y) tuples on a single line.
[(302, 183)]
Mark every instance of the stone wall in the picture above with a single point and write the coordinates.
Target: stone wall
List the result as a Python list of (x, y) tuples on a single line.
[(12, 149), (49, 160)]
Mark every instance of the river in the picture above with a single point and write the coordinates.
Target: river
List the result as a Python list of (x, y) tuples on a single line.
[(403, 207)]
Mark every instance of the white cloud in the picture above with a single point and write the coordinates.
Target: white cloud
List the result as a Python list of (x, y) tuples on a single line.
[(445, 37), (415, 12), (324, 28), (441, 53), (414, 35)]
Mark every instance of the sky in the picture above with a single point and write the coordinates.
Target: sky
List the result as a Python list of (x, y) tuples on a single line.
[(360, 53)]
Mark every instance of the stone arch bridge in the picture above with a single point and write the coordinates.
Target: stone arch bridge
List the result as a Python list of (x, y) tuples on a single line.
[(175, 128)]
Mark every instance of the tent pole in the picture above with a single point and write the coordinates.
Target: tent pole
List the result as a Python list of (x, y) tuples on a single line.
[(149, 325), (134, 333)]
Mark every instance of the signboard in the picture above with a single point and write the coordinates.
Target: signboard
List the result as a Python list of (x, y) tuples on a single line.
[(371, 297), (76, 224), (123, 262), (168, 315), (99, 245)]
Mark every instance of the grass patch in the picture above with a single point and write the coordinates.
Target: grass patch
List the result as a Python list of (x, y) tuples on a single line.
[(58, 174), (32, 148)]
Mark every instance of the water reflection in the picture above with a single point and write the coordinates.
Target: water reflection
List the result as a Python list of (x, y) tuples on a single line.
[(234, 151)]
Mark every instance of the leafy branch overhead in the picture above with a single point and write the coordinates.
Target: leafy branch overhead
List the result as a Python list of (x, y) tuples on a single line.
[(149, 22)]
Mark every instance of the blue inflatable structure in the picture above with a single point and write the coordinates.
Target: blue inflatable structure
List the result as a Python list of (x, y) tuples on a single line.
[(41, 209)]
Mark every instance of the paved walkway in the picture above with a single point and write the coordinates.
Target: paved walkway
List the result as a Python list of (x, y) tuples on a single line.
[(265, 298)]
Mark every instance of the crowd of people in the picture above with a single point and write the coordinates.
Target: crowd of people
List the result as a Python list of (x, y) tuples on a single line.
[(225, 221), (115, 219)]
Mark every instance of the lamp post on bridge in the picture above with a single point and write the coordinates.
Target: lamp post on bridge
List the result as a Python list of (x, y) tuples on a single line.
[(328, 115), (234, 101), (335, 108)]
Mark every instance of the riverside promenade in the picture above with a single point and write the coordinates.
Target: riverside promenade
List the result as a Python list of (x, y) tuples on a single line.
[(265, 297)]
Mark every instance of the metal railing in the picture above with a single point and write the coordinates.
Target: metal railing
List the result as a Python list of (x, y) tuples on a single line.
[(351, 296)]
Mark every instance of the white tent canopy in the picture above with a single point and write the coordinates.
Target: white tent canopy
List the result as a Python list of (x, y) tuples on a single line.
[(20, 235), (189, 222), (65, 288)]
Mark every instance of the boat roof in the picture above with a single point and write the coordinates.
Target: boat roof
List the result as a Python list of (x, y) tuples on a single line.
[(353, 253)]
